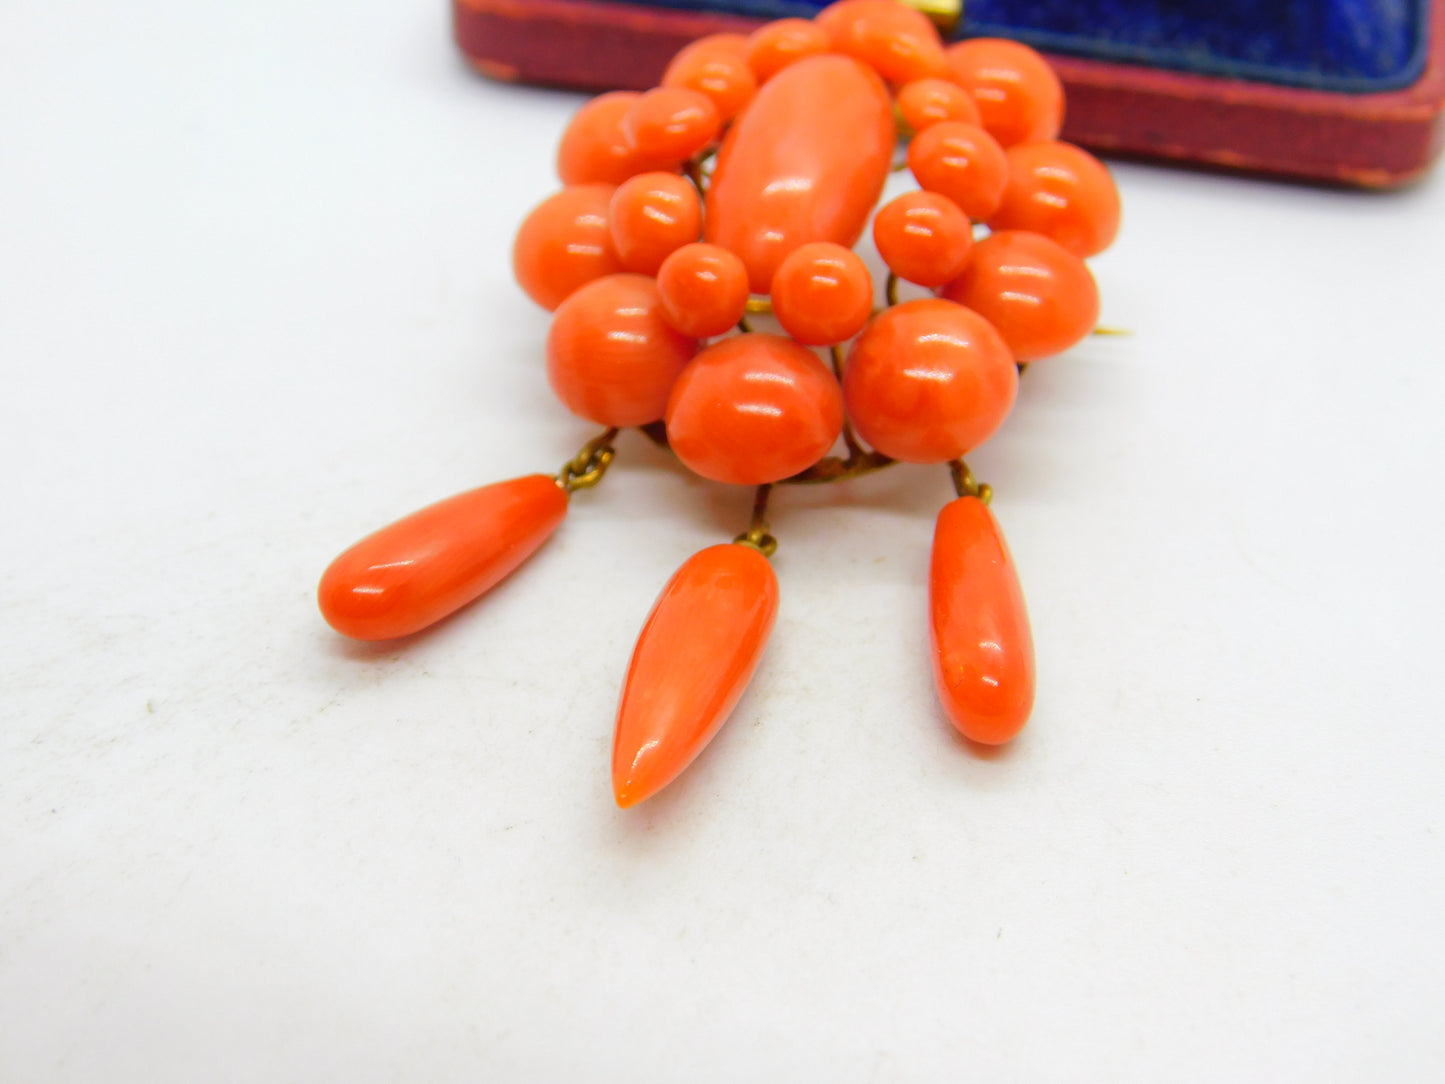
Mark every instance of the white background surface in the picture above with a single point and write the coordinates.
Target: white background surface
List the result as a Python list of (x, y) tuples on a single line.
[(255, 301)]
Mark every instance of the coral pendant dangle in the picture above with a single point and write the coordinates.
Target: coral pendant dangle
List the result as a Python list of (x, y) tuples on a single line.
[(983, 650), (731, 196), (696, 653), (423, 568)]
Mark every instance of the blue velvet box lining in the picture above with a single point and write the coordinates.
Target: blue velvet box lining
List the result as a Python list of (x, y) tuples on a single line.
[(1351, 46)]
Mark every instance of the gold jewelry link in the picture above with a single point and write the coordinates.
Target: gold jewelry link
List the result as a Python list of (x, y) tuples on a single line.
[(585, 469), (757, 535), (966, 485)]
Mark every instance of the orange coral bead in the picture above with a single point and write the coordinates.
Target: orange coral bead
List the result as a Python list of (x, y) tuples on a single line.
[(716, 66), (923, 237), (928, 380), (897, 41), (1063, 192), (983, 650), (672, 123), (785, 178), (1018, 95), (651, 216), (704, 290), (926, 102), (432, 563), (1040, 296), (822, 294), (693, 660), (611, 357), (565, 243), (773, 47), (595, 150), (964, 163), (753, 409)]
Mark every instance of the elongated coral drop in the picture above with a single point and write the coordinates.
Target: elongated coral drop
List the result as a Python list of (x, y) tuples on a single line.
[(983, 652), (693, 660), (430, 564), (806, 162)]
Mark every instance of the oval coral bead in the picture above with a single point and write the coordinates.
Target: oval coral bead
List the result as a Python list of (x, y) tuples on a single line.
[(785, 178), (1061, 191), (651, 216), (1017, 93), (611, 356), (596, 150), (926, 102), (693, 659), (593, 147), (964, 163), (1037, 294), (894, 39), (772, 47), (432, 563), (716, 66), (923, 237), (983, 651), (671, 122), (565, 243), (928, 380), (752, 409)]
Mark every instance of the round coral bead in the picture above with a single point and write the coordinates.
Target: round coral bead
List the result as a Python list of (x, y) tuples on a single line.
[(595, 150), (717, 66), (704, 290), (896, 41), (1018, 95), (753, 409), (1063, 192), (928, 380), (773, 47), (671, 123), (964, 163), (565, 243), (923, 237), (822, 293), (1040, 296), (926, 102), (611, 357), (651, 216)]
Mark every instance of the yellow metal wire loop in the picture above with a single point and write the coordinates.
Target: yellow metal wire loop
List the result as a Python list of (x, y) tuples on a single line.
[(759, 540), (966, 485), (757, 535), (585, 469)]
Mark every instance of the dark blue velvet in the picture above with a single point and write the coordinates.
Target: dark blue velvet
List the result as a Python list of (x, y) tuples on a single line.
[(1345, 45)]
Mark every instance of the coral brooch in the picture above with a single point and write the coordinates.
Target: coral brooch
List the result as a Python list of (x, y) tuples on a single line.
[(731, 195)]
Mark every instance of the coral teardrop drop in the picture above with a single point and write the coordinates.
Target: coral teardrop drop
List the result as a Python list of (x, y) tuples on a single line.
[(432, 563), (693, 660), (983, 651)]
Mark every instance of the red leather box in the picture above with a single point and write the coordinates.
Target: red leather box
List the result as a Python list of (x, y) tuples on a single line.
[(1373, 139)]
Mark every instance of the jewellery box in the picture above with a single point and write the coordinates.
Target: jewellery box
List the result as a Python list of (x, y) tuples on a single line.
[(1343, 91)]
